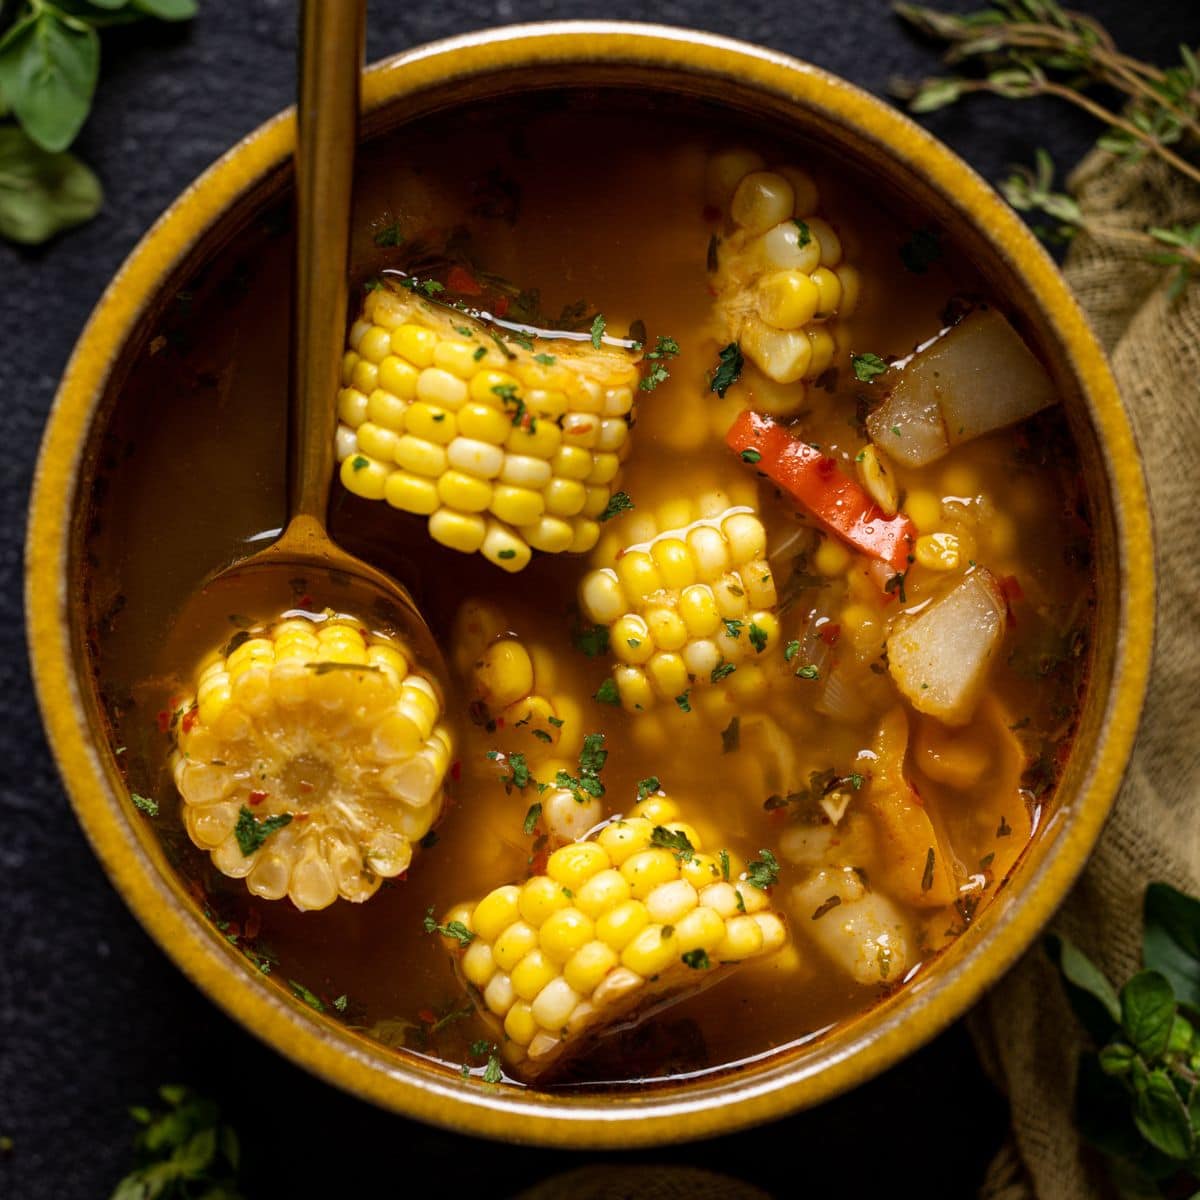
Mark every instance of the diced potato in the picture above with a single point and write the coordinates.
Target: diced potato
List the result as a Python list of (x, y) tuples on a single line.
[(860, 931), (939, 660), (978, 377)]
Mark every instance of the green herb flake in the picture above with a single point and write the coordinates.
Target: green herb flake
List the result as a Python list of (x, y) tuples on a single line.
[(607, 693), (480, 352), (729, 369), (506, 554), (808, 671), (684, 700), (144, 804), (546, 360), (358, 463), (342, 1003), (826, 906), (758, 638), (648, 786), (721, 671), (493, 1072), (723, 858), (750, 455), (927, 874), (302, 993), (598, 327), (618, 502), (251, 833), (390, 235), (592, 640), (455, 929), (790, 651), (674, 840), (697, 959), (666, 347), (532, 816), (1004, 829), (867, 367), (763, 872)]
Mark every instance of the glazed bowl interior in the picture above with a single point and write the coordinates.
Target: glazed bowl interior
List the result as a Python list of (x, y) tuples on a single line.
[(645, 67)]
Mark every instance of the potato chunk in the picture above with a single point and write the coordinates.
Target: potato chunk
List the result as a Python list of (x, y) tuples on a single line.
[(940, 659), (980, 376)]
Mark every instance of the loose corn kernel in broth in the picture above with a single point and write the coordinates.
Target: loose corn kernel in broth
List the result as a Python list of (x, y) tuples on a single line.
[(680, 676)]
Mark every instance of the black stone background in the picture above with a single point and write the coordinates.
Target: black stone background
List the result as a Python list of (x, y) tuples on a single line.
[(92, 1015)]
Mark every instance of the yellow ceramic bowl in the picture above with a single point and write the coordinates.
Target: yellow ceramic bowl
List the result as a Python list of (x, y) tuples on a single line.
[(1016, 269)]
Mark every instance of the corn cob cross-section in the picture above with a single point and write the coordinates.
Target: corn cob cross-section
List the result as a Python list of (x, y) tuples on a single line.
[(780, 277), (506, 449), (691, 606), (311, 759), (633, 917)]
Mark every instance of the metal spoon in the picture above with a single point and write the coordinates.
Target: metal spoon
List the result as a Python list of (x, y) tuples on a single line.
[(304, 568)]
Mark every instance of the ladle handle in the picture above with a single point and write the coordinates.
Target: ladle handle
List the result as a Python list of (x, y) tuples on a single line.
[(330, 64)]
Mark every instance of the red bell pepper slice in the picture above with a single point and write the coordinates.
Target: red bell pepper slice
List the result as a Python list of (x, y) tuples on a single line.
[(813, 481)]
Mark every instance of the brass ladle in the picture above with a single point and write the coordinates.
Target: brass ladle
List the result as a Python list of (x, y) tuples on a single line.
[(305, 568)]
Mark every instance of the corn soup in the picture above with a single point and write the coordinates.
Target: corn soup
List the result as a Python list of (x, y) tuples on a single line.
[(756, 547)]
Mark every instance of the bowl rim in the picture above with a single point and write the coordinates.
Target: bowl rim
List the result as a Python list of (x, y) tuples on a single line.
[(266, 1012)]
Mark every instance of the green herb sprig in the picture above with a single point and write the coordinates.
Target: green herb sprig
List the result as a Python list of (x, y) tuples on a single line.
[(1138, 1093), (49, 65), (1019, 49)]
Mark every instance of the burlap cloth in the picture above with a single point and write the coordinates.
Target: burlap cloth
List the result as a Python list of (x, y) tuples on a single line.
[(1027, 1037)]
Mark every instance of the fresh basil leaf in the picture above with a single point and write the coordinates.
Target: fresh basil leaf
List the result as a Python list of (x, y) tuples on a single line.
[(1148, 1012), (1093, 998), (1161, 1117), (195, 1155), (48, 69), (167, 10), (41, 193), (1171, 940)]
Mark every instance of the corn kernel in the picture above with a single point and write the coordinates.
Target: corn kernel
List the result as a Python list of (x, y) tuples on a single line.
[(414, 344), (564, 497), (574, 865), (519, 1023), (623, 838), (540, 897), (602, 891), (513, 943), (411, 493), (588, 966), (554, 1004), (364, 477), (788, 299), (937, 551), (478, 964), (352, 406), (743, 937), (565, 932), (925, 509), (464, 492), (459, 531), (634, 689), (762, 199), (496, 912), (504, 548), (652, 950), (646, 869), (699, 929), (831, 557), (534, 971)]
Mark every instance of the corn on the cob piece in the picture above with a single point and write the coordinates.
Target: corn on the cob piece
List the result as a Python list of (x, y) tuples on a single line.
[(634, 916), (780, 276), (311, 759), (691, 606), (505, 449)]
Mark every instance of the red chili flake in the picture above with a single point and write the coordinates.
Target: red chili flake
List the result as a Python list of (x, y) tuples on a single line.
[(830, 633), (460, 280), (164, 721), (253, 924), (258, 797), (456, 770), (499, 722), (301, 816), (190, 718), (711, 212), (585, 428), (306, 601), (427, 1015), (501, 306)]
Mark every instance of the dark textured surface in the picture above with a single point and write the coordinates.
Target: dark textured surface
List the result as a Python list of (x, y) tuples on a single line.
[(92, 1015)]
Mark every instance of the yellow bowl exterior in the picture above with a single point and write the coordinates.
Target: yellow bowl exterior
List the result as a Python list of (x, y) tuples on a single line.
[(740, 1096)]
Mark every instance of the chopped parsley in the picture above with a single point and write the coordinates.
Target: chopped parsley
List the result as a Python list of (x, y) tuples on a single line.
[(358, 462), (519, 777), (666, 347), (790, 651), (618, 502), (506, 554), (723, 857), (480, 351), (542, 736), (728, 371), (302, 993), (492, 1073), (389, 235), (251, 832), (592, 640), (532, 816), (921, 251), (598, 327), (808, 671), (546, 360), (805, 234), (591, 762), (731, 736), (342, 1003), (763, 872), (867, 367), (674, 840), (758, 638), (733, 627), (684, 700), (825, 906), (647, 787), (144, 804), (607, 693), (895, 584), (1004, 829), (455, 929), (697, 959), (751, 456), (721, 670)]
